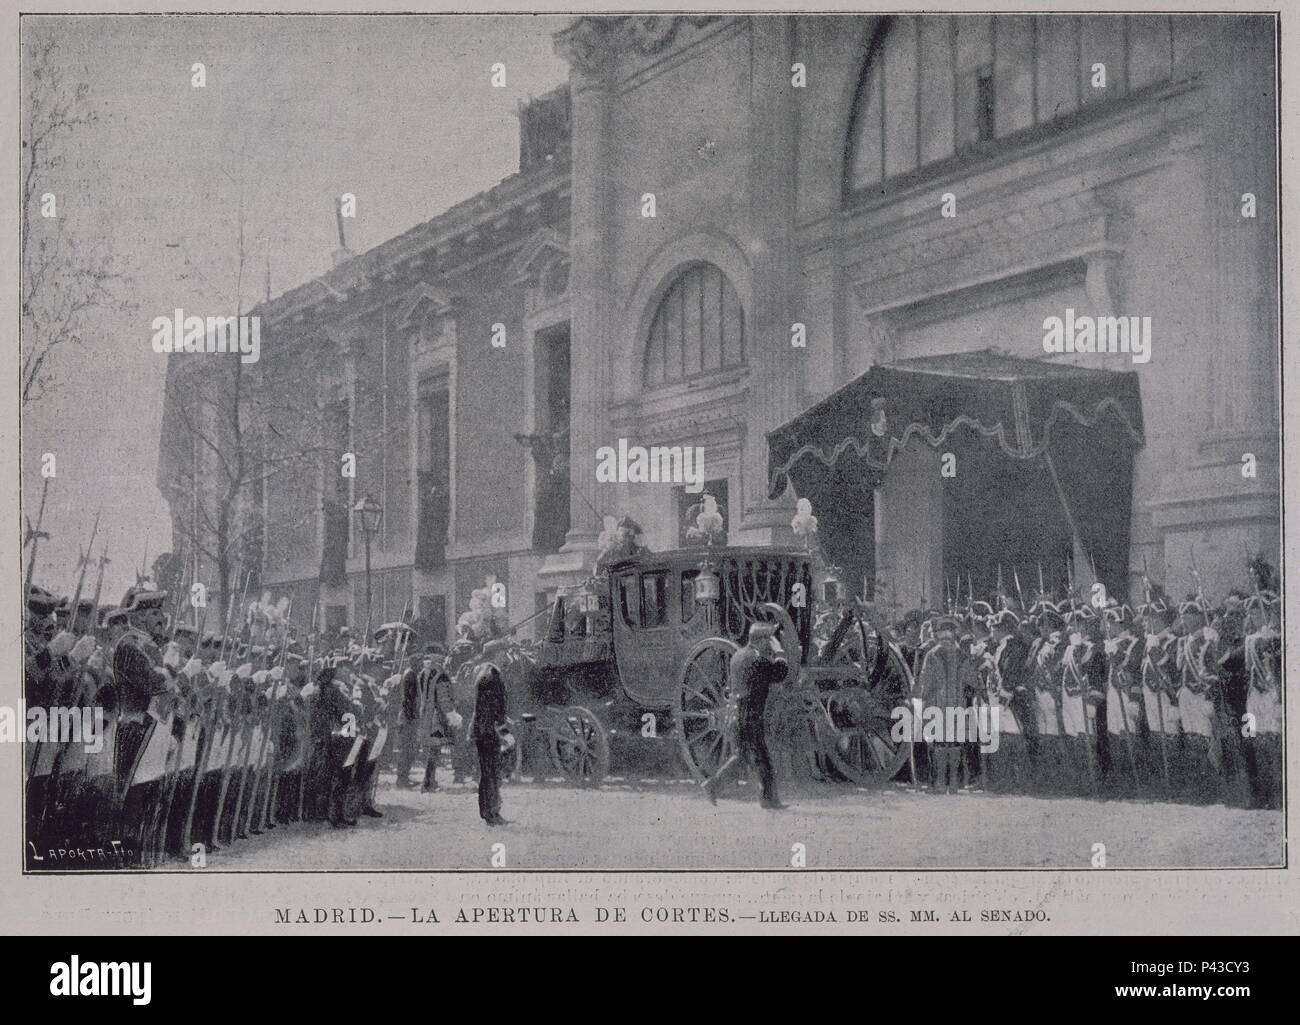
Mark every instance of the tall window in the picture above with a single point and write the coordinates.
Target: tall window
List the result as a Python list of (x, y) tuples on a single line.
[(935, 86), (433, 477), (698, 328), (550, 443), (336, 494)]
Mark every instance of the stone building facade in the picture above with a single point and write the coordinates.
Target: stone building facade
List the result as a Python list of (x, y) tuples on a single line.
[(821, 202), (724, 179)]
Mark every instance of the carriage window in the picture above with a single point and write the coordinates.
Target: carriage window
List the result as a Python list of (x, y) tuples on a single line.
[(575, 623), (628, 603), (688, 594), (654, 598)]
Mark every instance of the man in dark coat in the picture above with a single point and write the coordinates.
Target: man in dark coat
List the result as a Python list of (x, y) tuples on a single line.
[(947, 675), (413, 699), (439, 711), (485, 732), (754, 669), (333, 731)]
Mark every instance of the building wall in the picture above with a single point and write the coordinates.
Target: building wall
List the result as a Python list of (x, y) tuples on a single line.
[(1134, 210)]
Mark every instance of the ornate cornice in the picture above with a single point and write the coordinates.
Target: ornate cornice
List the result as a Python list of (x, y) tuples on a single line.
[(592, 43), (1008, 240), (538, 251)]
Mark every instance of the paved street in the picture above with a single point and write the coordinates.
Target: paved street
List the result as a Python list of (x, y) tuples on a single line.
[(670, 825)]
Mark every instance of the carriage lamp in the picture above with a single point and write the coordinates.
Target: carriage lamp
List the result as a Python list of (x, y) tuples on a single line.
[(708, 588)]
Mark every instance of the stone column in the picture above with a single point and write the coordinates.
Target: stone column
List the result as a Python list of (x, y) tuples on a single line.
[(1206, 506), (590, 45), (775, 367)]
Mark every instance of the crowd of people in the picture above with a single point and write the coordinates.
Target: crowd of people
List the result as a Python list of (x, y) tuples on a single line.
[(186, 743), (200, 739), (1176, 700)]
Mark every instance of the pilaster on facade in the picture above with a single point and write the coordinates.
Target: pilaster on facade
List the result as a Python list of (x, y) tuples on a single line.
[(592, 47), (776, 369)]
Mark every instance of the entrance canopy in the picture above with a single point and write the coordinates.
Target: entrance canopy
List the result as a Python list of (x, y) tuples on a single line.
[(1071, 430)]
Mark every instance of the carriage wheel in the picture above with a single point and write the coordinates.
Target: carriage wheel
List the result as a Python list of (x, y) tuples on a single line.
[(579, 746), (705, 741), (855, 723)]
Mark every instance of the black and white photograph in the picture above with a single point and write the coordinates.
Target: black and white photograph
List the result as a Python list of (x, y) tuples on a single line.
[(648, 442)]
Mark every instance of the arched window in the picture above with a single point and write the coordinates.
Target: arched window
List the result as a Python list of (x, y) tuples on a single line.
[(698, 328), (935, 86)]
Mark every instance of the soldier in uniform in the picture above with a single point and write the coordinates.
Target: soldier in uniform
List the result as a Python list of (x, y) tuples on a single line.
[(1082, 672), (38, 685), (1229, 660), (367, 775), (974, 643), (1124, 723), (145, 689), (1011, 766), (1263, 656), (1197, 684), (1050, 767), (1160, 691)]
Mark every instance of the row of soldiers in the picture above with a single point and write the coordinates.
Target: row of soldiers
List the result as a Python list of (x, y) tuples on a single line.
[(1170, 700), (188, 742)]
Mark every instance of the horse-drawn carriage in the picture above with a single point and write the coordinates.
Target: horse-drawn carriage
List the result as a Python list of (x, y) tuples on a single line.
[(643, 650)]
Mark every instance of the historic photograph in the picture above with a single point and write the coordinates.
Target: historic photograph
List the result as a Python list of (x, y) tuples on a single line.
[(640, 443)]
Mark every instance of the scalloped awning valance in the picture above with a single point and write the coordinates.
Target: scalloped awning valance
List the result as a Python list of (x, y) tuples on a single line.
[(1017, 403)]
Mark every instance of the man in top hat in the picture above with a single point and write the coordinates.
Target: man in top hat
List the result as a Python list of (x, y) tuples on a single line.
[(753, 671)]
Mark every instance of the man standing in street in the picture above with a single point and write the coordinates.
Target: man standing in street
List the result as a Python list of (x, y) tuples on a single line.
[(486, 733), (750, 676), (439, 716), (947, 675), (413, 699)]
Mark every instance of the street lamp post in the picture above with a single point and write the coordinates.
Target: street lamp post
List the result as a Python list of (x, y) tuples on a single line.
[(369, 513)]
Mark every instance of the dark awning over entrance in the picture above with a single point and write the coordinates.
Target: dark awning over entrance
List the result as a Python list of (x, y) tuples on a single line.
[(1082, 424), (1017, 402)]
